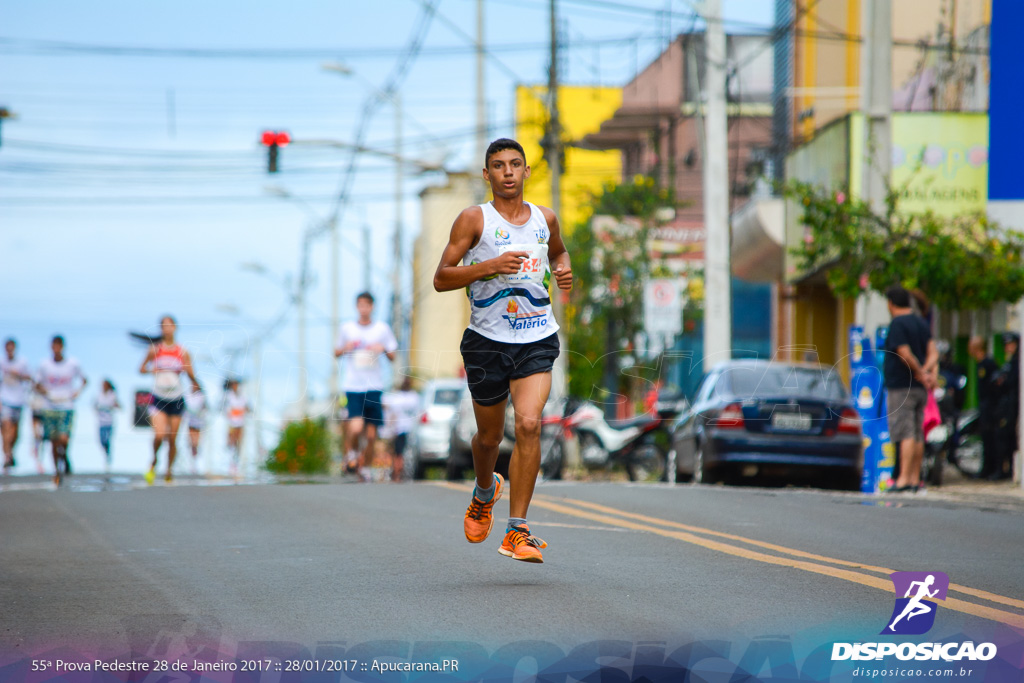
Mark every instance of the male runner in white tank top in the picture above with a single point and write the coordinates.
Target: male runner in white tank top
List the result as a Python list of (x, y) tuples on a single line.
[(509, 249)]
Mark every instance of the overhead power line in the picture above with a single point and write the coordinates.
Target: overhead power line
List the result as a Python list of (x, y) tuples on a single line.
[(49, 47)]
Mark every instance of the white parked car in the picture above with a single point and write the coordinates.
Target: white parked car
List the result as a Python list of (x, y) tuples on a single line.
[(432, 434)]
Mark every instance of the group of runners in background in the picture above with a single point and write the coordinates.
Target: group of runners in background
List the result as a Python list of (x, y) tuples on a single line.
[(50, 393)]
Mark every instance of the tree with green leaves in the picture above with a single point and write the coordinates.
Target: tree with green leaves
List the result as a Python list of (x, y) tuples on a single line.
[(961, 263), (612, 266)]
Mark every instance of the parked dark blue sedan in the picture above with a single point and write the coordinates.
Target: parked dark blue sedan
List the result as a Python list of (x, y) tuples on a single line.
[(785, 421)]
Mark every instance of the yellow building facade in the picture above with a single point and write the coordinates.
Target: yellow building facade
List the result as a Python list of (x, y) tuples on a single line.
[(581, 110)]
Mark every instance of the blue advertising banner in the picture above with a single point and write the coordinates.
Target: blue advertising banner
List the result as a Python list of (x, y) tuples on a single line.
[(869, 395)]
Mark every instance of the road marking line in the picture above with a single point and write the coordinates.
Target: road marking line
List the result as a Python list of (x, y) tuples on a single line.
[(967, 590), (1008, 618), (883, 585)]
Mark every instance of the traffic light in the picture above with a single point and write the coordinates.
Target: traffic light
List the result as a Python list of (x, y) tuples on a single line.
[(273, 140)]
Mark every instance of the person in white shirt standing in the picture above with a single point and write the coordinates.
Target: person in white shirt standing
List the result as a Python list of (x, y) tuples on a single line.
[(362, 343), (15, 380), (401, 409), (60, 381), (106, 403)]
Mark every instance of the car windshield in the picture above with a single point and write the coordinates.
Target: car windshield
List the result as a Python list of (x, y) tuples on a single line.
[(447, 397), (755, 381)]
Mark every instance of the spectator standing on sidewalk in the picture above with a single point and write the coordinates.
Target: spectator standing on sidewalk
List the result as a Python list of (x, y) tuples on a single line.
[(1007, 408), (911, 365), (985, 371)]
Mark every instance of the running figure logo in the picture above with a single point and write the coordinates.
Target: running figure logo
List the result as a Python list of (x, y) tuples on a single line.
[(914, 612)]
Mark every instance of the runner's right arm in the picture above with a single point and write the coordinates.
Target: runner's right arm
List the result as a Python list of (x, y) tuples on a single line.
[(144, 369), (466, 231)]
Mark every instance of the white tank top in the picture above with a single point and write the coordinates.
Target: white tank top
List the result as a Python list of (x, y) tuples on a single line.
[(512, 308)]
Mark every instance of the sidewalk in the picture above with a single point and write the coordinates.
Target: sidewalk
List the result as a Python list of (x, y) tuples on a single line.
[(957, 487)]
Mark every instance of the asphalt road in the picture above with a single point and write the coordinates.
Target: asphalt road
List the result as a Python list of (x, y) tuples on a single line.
[(179, 568)]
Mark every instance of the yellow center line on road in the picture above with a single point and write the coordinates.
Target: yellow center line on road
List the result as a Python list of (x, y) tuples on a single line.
[(621, 520), (966, 590)]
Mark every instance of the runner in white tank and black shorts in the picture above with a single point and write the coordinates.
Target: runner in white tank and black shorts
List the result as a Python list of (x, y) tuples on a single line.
[(166, 361), (508, 250)]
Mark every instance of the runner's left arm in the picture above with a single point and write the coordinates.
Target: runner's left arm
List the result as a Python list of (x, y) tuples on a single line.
[(186, 365), (81, 387), (561, 267)]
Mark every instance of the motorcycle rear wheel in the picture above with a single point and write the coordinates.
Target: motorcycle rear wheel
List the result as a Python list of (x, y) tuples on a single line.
[(647, 463)]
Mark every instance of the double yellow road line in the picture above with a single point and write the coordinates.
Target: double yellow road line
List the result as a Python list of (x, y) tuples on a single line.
[(752, 549)]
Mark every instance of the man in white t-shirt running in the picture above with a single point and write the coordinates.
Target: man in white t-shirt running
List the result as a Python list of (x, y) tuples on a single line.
[(362, 343), (505, 253), (15, 380), (60, 381)]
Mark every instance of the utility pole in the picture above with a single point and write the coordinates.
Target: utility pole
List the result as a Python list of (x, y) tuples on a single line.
[(876, 103), (300, 300), (367, 261), (332, 387), (480, 193), (553, 148), (397, 314), (876, 100), (717, 266)]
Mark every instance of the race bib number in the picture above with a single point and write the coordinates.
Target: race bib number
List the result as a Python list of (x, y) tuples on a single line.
[(534, 265), (167, 382), (363, 359)]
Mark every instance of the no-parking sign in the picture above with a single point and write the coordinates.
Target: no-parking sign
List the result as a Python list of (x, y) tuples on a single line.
[(663, 307)]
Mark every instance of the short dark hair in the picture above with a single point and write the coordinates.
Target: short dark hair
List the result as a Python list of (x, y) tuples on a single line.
[(10, 340), (898, 296), (365, 295), (58, 338), (500, 145)]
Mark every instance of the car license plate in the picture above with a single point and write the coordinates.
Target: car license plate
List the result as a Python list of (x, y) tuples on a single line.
[(794, 422)]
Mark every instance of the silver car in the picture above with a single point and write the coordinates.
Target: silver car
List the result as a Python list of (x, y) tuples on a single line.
[(460, 458), (432, 434)]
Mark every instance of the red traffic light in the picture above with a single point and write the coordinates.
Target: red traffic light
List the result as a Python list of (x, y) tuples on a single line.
[(275, 137)]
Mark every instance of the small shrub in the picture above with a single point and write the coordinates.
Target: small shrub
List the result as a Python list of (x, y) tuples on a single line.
[(304, 449)]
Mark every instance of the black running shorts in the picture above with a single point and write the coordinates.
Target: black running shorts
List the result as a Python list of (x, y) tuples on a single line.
[(490, 365), (169, 406)]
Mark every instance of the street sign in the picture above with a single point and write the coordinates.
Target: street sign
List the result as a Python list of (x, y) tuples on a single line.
[(663, 307)]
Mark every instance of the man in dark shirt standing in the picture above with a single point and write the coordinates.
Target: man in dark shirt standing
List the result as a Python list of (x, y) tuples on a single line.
[(1007, 408), (985, 370), (911, 365)]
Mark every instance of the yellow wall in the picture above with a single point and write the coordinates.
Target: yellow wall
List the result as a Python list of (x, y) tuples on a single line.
[(581, 109)]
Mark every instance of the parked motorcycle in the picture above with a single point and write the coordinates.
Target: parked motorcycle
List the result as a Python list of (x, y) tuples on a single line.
[(638, 444)]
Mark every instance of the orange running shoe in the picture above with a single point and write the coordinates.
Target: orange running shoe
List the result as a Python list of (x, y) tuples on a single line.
[(520, 545), (479, 520)]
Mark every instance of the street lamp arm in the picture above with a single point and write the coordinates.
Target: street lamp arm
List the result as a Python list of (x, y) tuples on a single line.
[(421, 164)]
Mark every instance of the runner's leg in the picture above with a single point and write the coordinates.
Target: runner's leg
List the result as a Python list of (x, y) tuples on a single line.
[(367, 455), (174, 423), (529, 394), (352, 434), (7, 429), (161, 430), (490, 427)]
